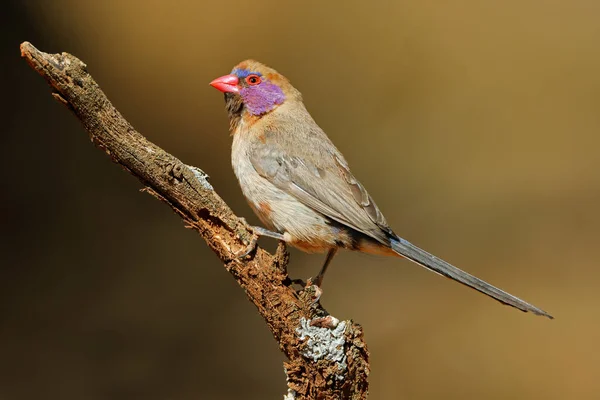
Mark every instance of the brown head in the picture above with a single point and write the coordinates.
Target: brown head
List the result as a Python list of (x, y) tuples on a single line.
[(253, 90)]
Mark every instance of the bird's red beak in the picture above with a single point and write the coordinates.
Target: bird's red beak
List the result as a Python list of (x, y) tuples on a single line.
[(226, 84)]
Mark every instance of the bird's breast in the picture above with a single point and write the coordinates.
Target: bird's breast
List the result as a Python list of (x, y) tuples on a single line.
[(305, 228)]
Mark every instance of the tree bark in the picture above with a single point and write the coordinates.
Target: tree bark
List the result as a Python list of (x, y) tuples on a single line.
[(327, 358)]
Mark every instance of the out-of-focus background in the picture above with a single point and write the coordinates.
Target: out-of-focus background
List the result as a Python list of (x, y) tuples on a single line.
[(474, 124)]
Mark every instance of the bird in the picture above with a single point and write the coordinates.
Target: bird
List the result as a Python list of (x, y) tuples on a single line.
[(300, 185)]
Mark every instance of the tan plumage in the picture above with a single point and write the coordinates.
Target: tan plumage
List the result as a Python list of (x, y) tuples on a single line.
[(300, 185)]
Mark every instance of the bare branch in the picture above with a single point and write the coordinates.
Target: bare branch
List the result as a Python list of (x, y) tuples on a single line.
[(327, 359)]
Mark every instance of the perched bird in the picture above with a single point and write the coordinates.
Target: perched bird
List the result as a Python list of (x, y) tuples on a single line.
[(300, 186)]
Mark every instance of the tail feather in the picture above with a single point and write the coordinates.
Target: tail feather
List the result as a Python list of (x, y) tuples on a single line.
[(431, 262)]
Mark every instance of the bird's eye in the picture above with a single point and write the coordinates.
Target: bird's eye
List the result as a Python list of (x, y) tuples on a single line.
[(253, 80)]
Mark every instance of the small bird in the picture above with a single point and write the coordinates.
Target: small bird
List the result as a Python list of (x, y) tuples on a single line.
[(300, 186)]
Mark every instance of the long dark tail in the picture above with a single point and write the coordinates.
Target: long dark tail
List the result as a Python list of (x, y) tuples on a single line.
[(431, 262)]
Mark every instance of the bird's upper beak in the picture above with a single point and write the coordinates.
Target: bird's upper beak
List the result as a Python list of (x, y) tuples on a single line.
[(226, 84)]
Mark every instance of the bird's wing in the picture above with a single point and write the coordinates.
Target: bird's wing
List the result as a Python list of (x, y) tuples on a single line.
[(326, 185), (321, 181)]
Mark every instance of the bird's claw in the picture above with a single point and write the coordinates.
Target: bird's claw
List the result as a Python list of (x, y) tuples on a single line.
[(317, 291), (308, 285), (317, 294), (250, 247)]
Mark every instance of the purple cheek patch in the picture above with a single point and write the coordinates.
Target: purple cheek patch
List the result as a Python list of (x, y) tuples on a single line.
[(262, 98)]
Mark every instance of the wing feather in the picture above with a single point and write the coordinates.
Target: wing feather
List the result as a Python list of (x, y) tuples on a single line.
[(323, 182)]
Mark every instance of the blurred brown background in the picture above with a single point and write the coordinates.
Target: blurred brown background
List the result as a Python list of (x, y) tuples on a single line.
[(473, 123)]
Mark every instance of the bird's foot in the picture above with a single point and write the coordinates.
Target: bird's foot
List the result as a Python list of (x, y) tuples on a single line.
[(316, 288), (308, 286), (248, 249), (257, 232), (251, 245)]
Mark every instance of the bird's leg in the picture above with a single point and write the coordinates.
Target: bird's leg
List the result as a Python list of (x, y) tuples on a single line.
[(257, 231), (318, 281), (265, 232)]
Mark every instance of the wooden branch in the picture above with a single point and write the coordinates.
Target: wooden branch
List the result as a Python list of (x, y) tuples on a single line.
[(327, 359)]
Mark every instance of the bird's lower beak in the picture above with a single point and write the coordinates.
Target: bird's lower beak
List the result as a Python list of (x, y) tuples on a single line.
[(226, 84)]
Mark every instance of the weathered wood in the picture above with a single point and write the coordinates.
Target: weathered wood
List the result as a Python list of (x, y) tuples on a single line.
[(327, 359)]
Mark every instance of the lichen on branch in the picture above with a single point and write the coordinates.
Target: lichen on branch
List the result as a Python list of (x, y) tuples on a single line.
[(327, 359)]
